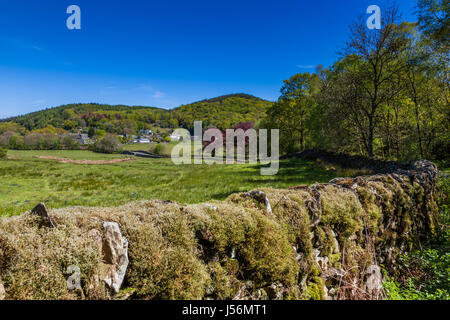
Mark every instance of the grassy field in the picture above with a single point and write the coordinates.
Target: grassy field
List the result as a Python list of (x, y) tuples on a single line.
[(165, 148), (69, 154), (138, 146), (26, 180)]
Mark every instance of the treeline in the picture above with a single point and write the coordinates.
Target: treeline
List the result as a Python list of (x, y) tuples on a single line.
[(37, 141), (386, 96)]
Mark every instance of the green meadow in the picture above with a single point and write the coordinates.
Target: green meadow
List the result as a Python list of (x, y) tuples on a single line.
[(27, 180)]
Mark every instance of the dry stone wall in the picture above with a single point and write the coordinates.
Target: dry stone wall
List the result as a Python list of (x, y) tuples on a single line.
[(325, 241)]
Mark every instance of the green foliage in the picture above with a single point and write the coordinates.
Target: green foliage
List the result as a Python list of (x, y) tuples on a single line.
[(3, 153), (89, 115), (108, 144), (69, 143), (426, 277), (11, 127), (240, 242), (444, 208), (395, 291), (386, 96), (434, 16), (158, 149), (43, 139), (440, 149), (291, 112), (425, 274), (222, 112)]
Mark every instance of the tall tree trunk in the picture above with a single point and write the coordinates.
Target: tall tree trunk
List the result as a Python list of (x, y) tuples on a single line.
[(419, 131), (412, 79), (302, 132), (388, 136), (397, 133), (370, 138), (302, 140)]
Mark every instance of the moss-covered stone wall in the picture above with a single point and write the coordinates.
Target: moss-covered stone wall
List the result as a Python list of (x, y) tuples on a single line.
[(325, 241)]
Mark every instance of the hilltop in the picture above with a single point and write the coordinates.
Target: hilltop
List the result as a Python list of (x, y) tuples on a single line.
[(222, 112)]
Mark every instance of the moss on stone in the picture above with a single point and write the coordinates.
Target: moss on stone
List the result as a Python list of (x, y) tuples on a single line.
[(342, 210), (224, 284), (315, 289)]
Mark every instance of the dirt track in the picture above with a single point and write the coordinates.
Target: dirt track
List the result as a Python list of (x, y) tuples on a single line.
[(65, 160)]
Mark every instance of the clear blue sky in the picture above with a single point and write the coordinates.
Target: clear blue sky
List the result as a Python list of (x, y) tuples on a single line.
[(164, 53)]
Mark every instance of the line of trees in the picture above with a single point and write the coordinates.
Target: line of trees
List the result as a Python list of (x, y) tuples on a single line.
[(37, 141), (386, 96)]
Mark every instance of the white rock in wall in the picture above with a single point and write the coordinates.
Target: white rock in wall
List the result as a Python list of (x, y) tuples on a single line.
[(375, 278), (2, 292), (115, 250)]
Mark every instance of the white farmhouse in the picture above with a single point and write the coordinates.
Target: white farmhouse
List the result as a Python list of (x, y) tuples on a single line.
[(144, 140), (175, 137)]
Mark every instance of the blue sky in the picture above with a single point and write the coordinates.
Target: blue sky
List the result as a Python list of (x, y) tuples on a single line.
[(164, 53)]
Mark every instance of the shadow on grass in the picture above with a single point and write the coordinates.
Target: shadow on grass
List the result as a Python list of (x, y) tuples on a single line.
[(293, 171)]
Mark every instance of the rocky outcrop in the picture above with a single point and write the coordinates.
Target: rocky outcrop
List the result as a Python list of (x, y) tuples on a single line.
[(324, 241)]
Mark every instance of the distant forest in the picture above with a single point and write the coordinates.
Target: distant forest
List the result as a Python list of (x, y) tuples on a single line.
[(221, 112)]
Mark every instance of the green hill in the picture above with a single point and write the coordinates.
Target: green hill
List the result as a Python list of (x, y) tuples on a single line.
[(222, 112), (72, 116)]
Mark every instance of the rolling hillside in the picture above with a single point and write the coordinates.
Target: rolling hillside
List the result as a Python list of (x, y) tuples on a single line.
[(222, 112)]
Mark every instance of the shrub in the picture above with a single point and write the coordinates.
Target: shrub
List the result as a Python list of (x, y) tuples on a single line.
[(109, 144), (69, 143), (440, 149), (423, 276), (32, 141), (158, 149), (3, 153), (11, 139), (16, 142), (6, 137), (41, 141)]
